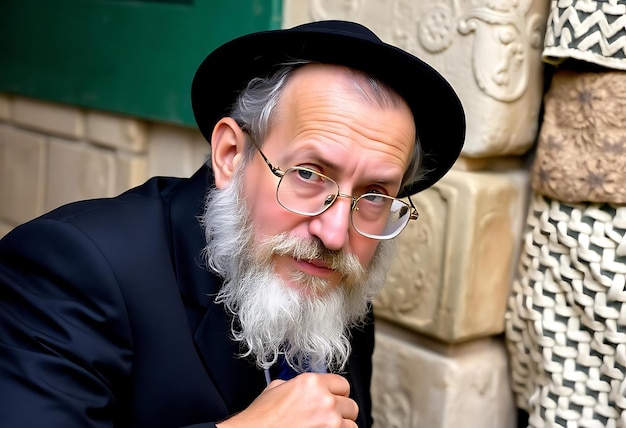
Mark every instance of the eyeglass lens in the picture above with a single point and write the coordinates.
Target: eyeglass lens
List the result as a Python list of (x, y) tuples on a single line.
[(305, 191)]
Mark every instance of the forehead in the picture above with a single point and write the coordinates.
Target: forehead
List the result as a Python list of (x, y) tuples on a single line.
[(328, 79), (335, 106)]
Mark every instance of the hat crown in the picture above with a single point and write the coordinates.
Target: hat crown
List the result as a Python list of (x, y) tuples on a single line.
[(347, 28)]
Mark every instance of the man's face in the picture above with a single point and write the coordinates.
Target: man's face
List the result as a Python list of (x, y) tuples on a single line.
[(297, 283), (322, 122)]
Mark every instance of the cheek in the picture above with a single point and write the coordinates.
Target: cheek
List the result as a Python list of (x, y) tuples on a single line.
[(269, 218), (364, 248)]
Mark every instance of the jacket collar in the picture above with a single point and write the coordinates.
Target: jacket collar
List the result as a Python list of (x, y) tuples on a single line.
[(186, 205), (237, 379)]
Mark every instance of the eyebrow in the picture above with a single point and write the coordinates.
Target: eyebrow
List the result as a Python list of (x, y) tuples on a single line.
[(332, 166), (311, 151)]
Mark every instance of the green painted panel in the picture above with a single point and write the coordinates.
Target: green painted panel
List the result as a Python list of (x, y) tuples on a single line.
[(134, 57)]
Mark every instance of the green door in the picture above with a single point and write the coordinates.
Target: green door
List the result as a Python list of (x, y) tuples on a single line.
[(135, 57)]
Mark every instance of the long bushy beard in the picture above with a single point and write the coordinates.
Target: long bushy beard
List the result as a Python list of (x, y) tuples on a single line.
[(311, 325)]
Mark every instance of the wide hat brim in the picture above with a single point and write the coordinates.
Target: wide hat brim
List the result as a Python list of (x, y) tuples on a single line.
[(438, 113)]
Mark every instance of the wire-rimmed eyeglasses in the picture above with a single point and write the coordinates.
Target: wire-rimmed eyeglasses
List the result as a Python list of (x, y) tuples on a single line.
[(308, 192)]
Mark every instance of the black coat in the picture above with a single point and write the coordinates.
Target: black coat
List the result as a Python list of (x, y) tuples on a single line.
[(107, 319)]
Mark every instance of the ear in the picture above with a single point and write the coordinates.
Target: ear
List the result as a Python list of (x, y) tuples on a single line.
[(227, 144)]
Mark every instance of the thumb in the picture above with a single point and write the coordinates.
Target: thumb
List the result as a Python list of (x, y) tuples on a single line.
[(273, 384)]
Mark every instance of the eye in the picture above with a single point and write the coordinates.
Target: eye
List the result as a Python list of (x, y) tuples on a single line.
[(307, 174), (375, 197), (309, 171)]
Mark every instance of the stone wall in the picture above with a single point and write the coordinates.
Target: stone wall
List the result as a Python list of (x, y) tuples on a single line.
[(440, 360), (51, 154)]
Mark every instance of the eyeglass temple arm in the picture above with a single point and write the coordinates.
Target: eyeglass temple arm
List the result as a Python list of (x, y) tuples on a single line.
[(414, 213), (275, 170)]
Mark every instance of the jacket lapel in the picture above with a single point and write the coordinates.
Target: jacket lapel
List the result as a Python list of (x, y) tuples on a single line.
[(238, 380)]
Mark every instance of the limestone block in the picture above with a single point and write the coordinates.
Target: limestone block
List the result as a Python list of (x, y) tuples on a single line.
[(500, 163), (175, 151), (451, 275), (490, 51), (5, 107), (462, 386), (5, 228), (132, 170), (116, 131), (22, 174), (201, 149), (48, 117), (78, 171)]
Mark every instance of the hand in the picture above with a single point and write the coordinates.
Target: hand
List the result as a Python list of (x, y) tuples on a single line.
[(310, 400)]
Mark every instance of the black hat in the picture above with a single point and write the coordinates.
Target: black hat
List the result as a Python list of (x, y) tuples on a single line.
[(437, 110)]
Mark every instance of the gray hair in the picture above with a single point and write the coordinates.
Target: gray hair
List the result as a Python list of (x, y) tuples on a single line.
[(254, 108)]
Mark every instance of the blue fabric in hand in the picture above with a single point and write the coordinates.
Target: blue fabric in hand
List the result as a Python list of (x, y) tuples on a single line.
[(282, 370)]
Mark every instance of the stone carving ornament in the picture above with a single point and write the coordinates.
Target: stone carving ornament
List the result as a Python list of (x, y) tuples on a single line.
[(489, 50), (504, 31)]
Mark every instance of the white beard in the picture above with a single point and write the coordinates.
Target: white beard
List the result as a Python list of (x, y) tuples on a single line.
[(270, 317)]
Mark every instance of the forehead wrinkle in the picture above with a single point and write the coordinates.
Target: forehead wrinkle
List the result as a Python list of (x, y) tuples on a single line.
[(330, 113), (359, 130), (310, 149), (334, 107), (314, 149)]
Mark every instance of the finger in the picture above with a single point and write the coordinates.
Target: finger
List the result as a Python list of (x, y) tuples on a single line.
[(349, 424), (336, 384), (347, 408), (273, 384)]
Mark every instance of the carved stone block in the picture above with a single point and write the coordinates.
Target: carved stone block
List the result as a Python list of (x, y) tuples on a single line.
[(5, 228), (490, 51), (49, 118), (463, 386), (451, 275), (118, 132), (131, 170), (77, 171), (175, 151), (22, 174)]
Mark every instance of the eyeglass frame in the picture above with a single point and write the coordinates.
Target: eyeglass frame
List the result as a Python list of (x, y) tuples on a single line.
[(413, 215)]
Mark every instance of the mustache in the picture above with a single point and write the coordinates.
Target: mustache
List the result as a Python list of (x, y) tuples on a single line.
[(284, 244)]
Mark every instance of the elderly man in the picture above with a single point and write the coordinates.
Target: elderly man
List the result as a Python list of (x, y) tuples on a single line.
[(239, 297)]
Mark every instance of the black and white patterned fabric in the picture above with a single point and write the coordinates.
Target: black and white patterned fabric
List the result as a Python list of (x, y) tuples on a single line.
[(588, 30), (566, 318)]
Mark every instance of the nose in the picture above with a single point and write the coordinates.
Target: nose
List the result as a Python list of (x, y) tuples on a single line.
[(332, 226)]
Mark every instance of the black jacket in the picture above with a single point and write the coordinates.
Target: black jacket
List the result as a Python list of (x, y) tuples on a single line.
[(107, 319)]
